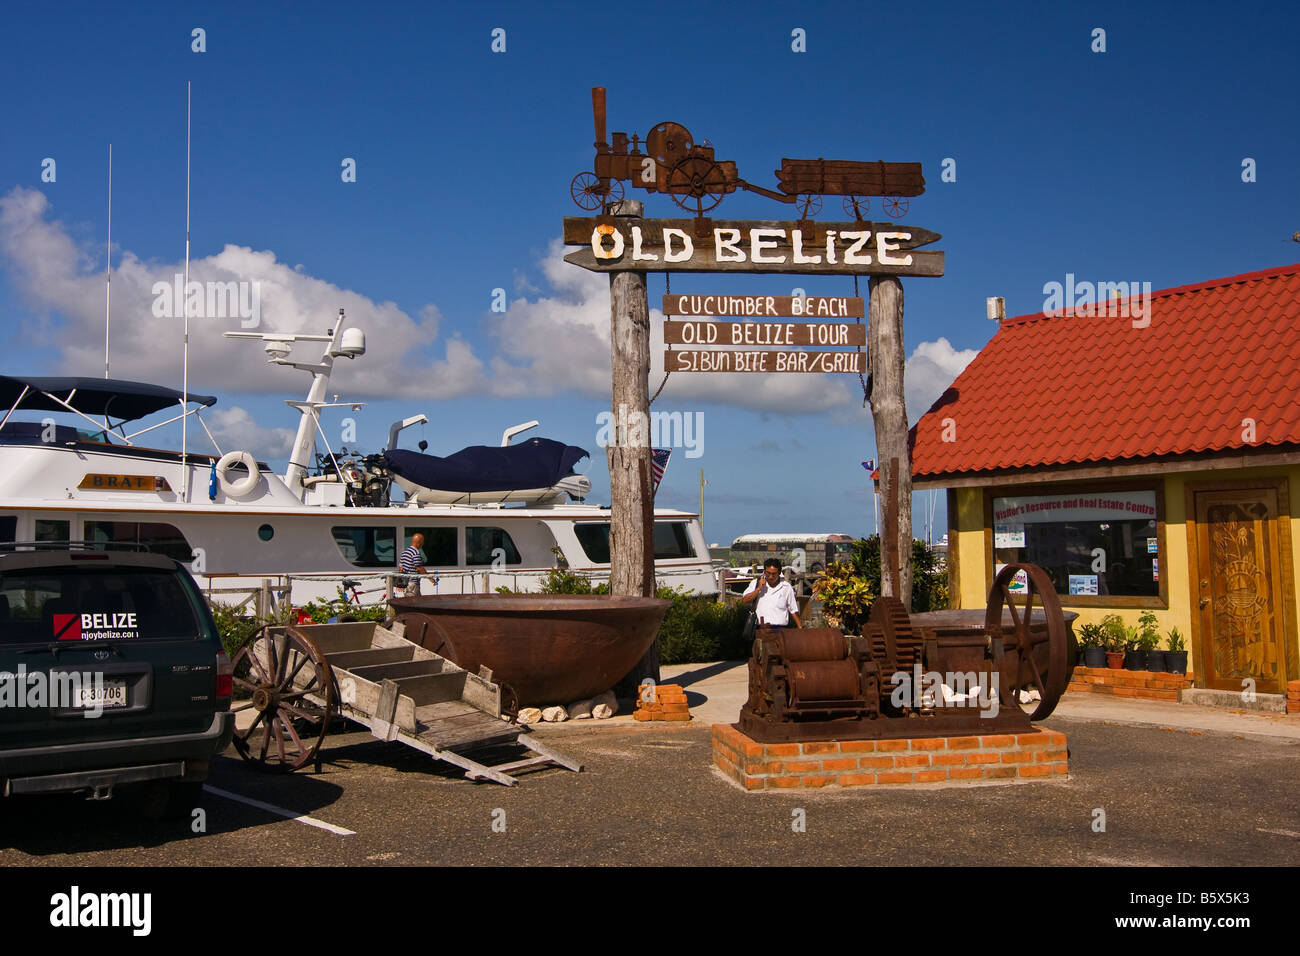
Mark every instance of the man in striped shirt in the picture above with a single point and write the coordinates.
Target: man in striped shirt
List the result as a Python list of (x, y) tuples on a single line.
[(411, 563)]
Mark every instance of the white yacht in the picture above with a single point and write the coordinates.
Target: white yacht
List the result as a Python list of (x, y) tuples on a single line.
[(234, 523)]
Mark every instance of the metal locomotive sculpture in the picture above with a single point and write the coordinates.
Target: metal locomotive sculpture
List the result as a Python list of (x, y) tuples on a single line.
[(820, 684), (674, 165)]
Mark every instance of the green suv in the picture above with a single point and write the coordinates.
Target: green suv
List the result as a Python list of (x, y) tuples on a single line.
[(111, 672)]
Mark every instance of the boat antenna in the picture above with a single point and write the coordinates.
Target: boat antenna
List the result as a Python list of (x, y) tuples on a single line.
[(108, 270), (185, 294)]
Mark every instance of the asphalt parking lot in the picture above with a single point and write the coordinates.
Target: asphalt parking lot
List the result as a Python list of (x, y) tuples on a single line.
[(649, 795)]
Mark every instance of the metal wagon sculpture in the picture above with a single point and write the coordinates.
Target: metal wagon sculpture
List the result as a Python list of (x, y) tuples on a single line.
[(673, 164)]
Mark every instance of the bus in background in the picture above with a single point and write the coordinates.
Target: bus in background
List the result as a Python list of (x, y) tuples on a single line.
[(818, 550)]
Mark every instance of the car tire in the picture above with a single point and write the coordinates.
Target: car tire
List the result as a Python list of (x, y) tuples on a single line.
[(171, 799)]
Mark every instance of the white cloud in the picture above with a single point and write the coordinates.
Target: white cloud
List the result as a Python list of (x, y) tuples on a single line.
[(59, 278), (540, 346), (234, 429), (931, 368)]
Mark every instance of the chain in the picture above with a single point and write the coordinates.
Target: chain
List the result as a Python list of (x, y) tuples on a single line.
[(866, 386), (668, 290)]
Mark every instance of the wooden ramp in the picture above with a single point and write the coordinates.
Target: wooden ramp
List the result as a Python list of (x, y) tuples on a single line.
[(404, 692)]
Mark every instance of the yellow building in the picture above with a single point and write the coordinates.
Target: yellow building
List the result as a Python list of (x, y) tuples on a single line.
[(1145, 453)]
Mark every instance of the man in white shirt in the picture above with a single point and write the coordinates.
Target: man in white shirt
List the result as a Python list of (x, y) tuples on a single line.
[(776, 601)]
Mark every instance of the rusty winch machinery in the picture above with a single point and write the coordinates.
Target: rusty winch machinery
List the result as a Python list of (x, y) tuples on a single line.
[(902, 678)]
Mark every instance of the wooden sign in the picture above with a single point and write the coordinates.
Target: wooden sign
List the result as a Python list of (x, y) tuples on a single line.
[(759, 306), (763, 360), (96, 482), (631, 244), (694, 332)]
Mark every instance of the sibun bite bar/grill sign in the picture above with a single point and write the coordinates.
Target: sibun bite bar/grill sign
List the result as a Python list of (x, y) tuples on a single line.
[(763, 360)]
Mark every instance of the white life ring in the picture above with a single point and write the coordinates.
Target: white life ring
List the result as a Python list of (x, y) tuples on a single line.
[(237, 489)]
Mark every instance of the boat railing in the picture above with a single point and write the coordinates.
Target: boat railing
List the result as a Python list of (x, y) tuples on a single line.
[(270, 596)]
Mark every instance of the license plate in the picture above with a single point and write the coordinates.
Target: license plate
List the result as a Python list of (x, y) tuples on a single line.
[(111, 694)]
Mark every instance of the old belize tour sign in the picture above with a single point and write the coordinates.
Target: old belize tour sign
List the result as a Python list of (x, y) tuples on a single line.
[(617, 240), (748, 334)]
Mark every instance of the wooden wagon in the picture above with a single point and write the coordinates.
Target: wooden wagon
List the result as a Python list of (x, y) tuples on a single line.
[(673, 164), (299, 680), (855, 181)]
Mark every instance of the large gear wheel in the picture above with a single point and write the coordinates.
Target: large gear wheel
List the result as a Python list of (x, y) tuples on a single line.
[(889, 635)]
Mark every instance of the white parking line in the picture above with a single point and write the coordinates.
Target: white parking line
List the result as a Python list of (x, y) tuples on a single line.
[(280, 811)]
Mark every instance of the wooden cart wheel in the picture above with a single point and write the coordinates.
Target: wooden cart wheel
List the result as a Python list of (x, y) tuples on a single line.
[(857, 206), (810, 204), (697, 184), (896, 206), (586, 192), (290, 686), (1034, 651)]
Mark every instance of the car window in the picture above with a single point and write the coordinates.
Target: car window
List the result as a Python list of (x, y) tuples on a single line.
[(68, 604)]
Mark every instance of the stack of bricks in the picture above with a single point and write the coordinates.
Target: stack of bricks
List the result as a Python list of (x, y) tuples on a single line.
[(1139, 685), (937, 761), (1293, 697), (669, 703)]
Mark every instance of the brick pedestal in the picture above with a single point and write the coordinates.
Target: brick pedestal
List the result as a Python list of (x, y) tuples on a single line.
[(941, 761), (1293, 697), (1137, 685)]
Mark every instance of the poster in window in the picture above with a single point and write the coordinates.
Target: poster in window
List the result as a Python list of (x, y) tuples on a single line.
[(1019, 583), (1083, 584), (1155, 569), (1151, 545), (1009, 536)]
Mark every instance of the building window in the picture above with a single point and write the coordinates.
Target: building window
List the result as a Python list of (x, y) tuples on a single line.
[(483, 544), (439, 546), (1090, 542), (367, 547), (157, 537)]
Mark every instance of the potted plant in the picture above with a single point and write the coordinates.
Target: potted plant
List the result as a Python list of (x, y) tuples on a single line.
[(1112, 630), (1176, 656), (1135, 655), (1093, 640), (1149, 641)]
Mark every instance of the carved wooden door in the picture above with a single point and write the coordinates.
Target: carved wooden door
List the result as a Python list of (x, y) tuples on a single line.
[(1239, 594)]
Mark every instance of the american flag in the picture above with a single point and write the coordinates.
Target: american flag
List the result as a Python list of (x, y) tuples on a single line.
[(658, 462)]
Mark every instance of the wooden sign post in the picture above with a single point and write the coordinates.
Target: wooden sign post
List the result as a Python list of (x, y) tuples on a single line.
[(627, 246), (889, 411), (631, 525)]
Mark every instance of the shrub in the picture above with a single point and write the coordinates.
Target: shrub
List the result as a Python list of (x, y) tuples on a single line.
[(929, 580), (697, 629), (846, 597)]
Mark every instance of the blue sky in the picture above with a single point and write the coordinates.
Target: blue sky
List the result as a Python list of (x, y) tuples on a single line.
[(1117, 166)]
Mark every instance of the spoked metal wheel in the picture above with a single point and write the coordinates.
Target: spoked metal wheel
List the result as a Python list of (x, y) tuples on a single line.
[(291, 690), (810, 204), (1035, 646), (857, 206), (896, 206), (697, 184)]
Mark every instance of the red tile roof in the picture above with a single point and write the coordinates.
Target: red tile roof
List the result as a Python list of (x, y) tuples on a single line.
[(1056, 390)]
